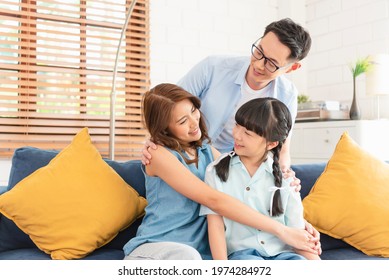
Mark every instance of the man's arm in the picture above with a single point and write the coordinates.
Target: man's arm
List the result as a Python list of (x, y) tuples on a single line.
[(146, 156), (285, 160)]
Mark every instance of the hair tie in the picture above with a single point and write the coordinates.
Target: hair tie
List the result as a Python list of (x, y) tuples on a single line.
[(231, 154), (273, 189)]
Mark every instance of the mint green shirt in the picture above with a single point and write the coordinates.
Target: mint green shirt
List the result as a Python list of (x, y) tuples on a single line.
[(256, 192)]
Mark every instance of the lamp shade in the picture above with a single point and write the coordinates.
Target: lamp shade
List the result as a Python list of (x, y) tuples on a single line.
[(377, 79)]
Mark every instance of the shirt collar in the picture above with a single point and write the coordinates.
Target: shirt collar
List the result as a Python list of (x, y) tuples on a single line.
[(242, 73), (267, 165)]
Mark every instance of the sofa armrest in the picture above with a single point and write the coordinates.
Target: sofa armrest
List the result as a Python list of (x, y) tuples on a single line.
[(3, 189)]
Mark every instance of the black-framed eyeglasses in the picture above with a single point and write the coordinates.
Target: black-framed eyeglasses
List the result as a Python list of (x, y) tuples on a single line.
[(269, 65)]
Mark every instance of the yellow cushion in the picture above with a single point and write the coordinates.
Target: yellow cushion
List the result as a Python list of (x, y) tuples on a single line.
[(350, 200), (75, 204)]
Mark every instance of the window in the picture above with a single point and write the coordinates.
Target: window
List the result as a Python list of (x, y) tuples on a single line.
[(56, 69)]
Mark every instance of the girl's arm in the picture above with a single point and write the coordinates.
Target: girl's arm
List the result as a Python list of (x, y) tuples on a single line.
[(166, 166), (217, 238)]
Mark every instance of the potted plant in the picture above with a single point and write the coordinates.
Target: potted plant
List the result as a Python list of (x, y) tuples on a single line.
[(303, 101), (362, 65)]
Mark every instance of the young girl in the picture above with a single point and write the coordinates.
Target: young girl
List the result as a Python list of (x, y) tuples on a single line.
[(172, 227), (252, 176)]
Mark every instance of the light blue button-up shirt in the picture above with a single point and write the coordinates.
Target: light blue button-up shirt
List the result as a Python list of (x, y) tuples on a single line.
[(217, 81), (256, 192)]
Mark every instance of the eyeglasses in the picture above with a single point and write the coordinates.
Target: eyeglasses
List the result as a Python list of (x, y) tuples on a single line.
[(269, 65)]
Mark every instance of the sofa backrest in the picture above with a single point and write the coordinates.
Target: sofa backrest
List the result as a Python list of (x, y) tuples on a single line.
[(28, 159), (308, 174)]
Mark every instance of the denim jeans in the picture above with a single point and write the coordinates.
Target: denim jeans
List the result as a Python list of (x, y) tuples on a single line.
[(252, 254)]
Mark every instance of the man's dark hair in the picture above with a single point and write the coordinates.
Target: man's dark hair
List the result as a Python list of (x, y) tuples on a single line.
[(292, 35)]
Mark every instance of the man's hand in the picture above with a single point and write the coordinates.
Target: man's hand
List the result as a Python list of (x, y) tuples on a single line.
[(289, 173), (146, 156)]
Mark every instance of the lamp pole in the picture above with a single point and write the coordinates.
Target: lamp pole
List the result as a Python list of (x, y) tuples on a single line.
[(112, 111)]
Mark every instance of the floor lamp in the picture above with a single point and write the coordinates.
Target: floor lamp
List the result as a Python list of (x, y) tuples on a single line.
[(377, 80), (112, 110)]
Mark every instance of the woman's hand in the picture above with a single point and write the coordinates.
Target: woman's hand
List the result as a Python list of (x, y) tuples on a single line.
[(299, 239), (316, 236)]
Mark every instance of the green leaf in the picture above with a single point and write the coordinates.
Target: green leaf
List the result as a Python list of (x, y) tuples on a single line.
[(362, 65)]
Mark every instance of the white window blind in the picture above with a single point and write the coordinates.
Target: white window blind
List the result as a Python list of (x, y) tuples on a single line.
[(56, 70)]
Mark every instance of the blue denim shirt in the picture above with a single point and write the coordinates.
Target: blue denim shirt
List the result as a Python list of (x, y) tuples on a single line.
[(217, 81), (172, 217)]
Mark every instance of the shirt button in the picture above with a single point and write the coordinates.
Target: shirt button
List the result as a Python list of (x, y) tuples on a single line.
[(247, 188), (262, 242)]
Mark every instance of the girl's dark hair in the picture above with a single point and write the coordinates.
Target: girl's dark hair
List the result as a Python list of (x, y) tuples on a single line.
[(269, 118), (157, 106), (292, 35)]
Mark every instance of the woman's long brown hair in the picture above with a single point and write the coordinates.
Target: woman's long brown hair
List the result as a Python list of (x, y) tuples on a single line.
[(157, 106)]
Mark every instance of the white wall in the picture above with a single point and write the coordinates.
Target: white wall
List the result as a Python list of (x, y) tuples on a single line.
[(343, 31), (182, 32)]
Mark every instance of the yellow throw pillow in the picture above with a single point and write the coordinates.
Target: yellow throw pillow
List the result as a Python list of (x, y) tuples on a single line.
[(75, 204), (350, 200)]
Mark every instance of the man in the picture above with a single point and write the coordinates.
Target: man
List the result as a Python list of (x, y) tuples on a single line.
[(224, 83)]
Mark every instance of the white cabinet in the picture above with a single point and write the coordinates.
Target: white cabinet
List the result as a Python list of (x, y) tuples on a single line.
[(316, 141)]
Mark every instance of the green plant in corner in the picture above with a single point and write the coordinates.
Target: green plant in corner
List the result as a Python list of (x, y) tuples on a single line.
[(362, 65)]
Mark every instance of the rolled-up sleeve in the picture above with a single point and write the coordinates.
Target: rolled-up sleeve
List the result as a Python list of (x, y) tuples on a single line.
[(210, 180)]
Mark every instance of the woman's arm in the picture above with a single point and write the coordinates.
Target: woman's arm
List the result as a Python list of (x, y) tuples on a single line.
[(169, 168), (217, 238)]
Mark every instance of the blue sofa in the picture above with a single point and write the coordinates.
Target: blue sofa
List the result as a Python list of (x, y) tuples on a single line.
[(16, 245)]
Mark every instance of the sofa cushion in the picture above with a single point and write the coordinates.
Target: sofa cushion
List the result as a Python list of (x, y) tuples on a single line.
[(308, 174), (73, 205), (349, 253), (349, 200)]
